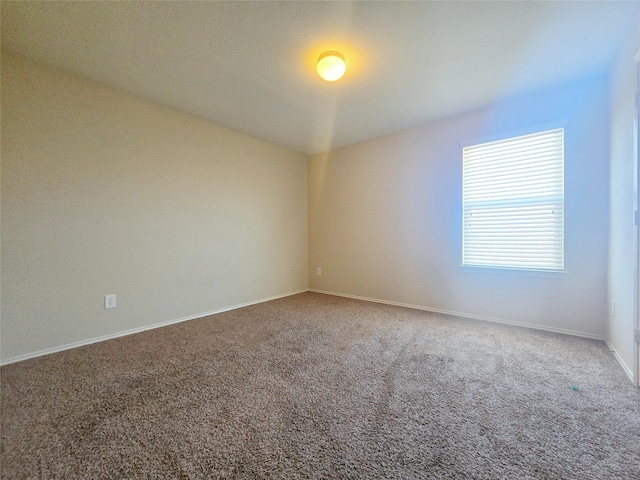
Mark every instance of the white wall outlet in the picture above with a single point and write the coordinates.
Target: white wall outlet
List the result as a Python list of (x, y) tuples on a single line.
[(318, 271), (110, 301)]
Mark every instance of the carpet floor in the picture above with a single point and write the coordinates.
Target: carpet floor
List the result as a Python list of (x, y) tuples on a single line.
[(316, 386)]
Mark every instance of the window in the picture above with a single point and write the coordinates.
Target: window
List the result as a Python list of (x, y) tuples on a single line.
[(513, 202)]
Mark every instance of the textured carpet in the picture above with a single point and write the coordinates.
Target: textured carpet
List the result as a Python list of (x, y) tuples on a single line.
[(315, 386)]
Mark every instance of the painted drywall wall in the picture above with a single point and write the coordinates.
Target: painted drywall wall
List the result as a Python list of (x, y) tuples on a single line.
[(385, 216), (107, 193), (624, 85)]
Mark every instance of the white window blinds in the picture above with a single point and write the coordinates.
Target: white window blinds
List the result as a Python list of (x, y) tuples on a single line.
[(513, 202)]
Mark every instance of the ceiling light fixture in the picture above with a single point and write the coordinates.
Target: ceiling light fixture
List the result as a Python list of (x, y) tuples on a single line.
[(331, 66)]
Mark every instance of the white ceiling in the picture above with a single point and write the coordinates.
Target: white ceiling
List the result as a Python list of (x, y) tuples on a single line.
[(250, 65)]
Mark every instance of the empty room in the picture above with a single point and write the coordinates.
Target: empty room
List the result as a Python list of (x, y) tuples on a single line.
[(309, 240)]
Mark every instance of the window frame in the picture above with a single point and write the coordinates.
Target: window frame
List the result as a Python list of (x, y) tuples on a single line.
[(517, 270)]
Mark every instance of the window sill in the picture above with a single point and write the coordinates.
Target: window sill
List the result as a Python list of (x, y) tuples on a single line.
[(514, 272)]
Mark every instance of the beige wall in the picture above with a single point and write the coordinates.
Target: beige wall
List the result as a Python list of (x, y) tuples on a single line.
[(385, 217), (107, 193), (624, 85)]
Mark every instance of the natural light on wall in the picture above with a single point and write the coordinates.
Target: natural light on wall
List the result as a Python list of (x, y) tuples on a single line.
[(513, 202)]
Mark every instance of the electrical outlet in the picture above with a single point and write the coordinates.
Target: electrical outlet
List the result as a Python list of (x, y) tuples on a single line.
[(110, 301), (319, 272)]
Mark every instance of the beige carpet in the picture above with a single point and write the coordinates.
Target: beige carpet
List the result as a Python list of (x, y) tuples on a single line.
[(315, 386)]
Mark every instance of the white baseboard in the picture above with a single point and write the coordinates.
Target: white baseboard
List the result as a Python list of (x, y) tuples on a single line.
[(622, 363), (123, 333), (464, 315), (132, 331)]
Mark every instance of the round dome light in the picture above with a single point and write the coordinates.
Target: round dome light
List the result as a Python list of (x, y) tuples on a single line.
[(331, 66)]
